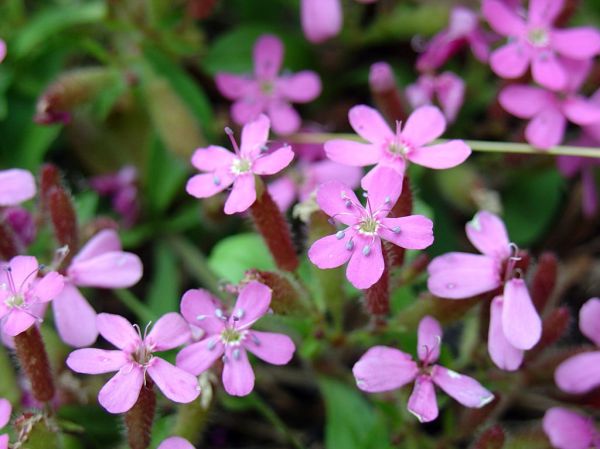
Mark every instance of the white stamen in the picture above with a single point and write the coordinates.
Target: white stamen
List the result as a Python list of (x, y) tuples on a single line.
[(340, 235)]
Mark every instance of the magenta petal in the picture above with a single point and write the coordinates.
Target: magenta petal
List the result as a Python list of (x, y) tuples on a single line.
[(170, 331), (232, 86), (547, 71), (579, 374), (441, 156), (255, 135), (5, 411), (16, 186), (503, 354), (199, 308), (338, 201), (464, 389), (109, 270), (422, 402), (521, 323), (330, 251), (424, 125), (242, 196), (383, 369), (411, 232), (252, 303), (581, 111), (238, 377), (104, 241), (247, 109), (96, 361), (75, 319), (212, 158), (198, 357), (326, 170), (17, 321), (118, 331), (284, 117), (209, 184), (301, 87), (348, 152), (510, 60), (487, 233), (451, 94), (175, 443), (369, 124), (544, 12), (524, 101), (501, 18), (366, 264), (429, 339), (567, 429), (321, 19), (577, 43), (283, 191), (2, 56), (547, 129), (48, 287), (274, 162), (589, 320), (3, 437), (268, 56), (122, 391), (277, 349), (176, 384), (385, 191), (23, 270)]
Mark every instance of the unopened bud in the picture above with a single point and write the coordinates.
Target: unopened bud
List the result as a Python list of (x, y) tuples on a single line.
[(385, 92)]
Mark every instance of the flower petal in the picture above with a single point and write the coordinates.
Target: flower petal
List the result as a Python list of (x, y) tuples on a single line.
[(104, 241), (487, 233), (74, 318), (410, 232), (510, 60), (23, 271), (366, 265), (277, 349), (589, 320), (212, 158), (5, 411), (110, 270), (268, 56), (567, 429), (383, 193), (369, 124), (338, 201), (440, 156), (284, 117), (252, 303), (238, 377), (16, 322), (242, 196), (199, 308), (451, 94), (122, 391), (274, 162), (581, 111), (348, 152), (176, 384), (233, 86), (424, 125), (255, 135), (544, 12), (16, 186), (331, 251), (383, 368), (301, 87), (321, 19), (247, 109), (547, 129), (283, 191), (501, 18), (422, 402), (577, 43), (547, 71), (502, 353), (118, 331), (429, 339), (198, 357), (524, 101), (3, 437), (464, 389), (96, 361), (46, 288), (579, 374), (169, 332), (209, 184), (521, 323), (175, 443)]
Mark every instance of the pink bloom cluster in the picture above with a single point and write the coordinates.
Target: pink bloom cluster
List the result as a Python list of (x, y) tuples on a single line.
[(383, 368), (5, 411)]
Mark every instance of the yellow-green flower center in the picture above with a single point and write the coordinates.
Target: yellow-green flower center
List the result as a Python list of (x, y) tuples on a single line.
[(15, 301), (231, 336), (538, 37), (368, 226), (240, 166)]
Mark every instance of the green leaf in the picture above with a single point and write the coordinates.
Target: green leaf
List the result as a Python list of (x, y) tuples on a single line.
[(164, 288), (86, 204), (35, 145)]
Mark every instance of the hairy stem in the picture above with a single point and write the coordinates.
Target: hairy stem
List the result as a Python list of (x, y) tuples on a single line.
[(34, 362), (139, 419)]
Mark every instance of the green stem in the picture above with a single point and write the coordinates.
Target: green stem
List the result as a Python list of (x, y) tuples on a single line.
[(135, 305)]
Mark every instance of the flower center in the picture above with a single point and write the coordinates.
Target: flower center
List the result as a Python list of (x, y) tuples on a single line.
[(267, 87), (368, 226), (397, 149), (538, 37), (230, 336), (143, 355), (17, 301), (240, 165)]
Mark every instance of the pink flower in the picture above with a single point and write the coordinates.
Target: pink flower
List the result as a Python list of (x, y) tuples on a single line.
[(570, 430), (581, 373), (266, 92), (359, 243), (174, 443), (383, 368), (463, 29), (231, 338), (225, 168), (122, 187), (321, 19), (515, 325), (448, 88), (389, 149), (534, 41), (100, 263), (16, 186), (2, 50), (5, 411), (21, 222), (550, 111), (22, 294), (135, 359)]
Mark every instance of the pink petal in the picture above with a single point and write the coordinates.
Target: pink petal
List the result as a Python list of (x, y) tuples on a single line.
[(521, 323), (274, 162), (255, 135), (169, 332), (198, 357), (242, 196), (504, 355), (487, 233), (252, 303), (578, 71), (23, 271), (104, 241), (16, 186), (301, 87), (232, 86), (175, 443), (268, 56), (247, 109), (501, 18), (175, 383), (547, 129), (48, 287), (209, 184), (579, 374), (464, 389), (283, 192), (321, 19), (422, 402), (411, 232), (277, 349), (2, 50), (510, 60), (17, 321), (567, 429), (424, 125), (451, 94), (418, 95), (109, 270), (352, 153), (383, 369), (238, 377), (383, 193), (118, 331), (96, 361), (441, 156), (576, 43), (369, 124), (581, 111), (122, 391), (3, 437), (5, 411), (75, 319), (429, 339), (544, 12), (199, 308), (366, 265), (589, 320), (212, 158), (339, 201), (461, 275), (548, 72), (326, 170), (284, 117), (524, 101), (331, 251)]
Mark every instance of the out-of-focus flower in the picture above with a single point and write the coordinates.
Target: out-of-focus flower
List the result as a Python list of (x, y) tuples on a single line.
[(229, 338), (360, 243), (122, 188), (447, 88), (16, 186), (21, 222), (383, 368), (175, 443), (134, 359), (266, 92), (535, 41), (2, 50), (570, 430), (5, 411), (100, 263), (389, 149), (225, 168)]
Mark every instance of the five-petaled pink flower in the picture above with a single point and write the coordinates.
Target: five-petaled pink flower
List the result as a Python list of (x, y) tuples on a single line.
[(135, 359), (101, 263), (225, 168), (5, 411), (266, 91), (515, 325), (16, 186), (174, 443), (448, 88), (383, 368), (360, 243), (22, 294), (581, 373), (536, 41), (389, 149), (229, 338), (570, 430)]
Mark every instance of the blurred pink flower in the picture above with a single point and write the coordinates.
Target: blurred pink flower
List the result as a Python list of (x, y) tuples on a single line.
[(16, 186), (100, 263), (570, 430), (535, 41), (266, 91), (174, 443), (21, 291), (229, 338), (122, 187), (360, 243), (134, 359), (225, 168), (2, 50), (447, 88), (5, 411), (383, 368), (22, 224)]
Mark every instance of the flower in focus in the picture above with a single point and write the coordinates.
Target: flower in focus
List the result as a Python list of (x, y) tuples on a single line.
[(100, 263), (229, 338), (535, 41), (16, 186), (266, 91), (175, 443), (122, 188), (23, 295), (135, 359), (225, 168), (383, 368), (389, 149), (570, 430), (448, 88), (5, 411), (359, 243)]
